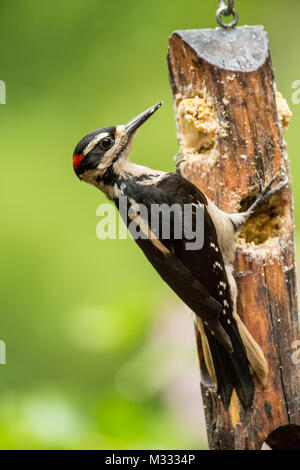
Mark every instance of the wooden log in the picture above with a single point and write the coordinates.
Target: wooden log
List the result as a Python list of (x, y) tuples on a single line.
[(230, 123)]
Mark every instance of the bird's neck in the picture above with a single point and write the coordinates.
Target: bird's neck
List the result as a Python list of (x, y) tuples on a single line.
[(123, 171)]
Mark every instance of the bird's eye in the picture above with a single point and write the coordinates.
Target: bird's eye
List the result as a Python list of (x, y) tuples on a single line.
[(106, 143)]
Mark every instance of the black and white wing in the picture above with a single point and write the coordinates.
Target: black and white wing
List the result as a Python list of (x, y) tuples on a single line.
[(197, 276)]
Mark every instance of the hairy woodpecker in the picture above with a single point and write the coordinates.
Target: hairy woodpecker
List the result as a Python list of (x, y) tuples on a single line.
[(202, 278)]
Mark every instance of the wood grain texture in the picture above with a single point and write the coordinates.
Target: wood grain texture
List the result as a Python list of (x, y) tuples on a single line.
[(231, 72)]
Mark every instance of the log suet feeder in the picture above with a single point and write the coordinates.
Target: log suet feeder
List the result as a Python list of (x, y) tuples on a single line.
[(230, 125)]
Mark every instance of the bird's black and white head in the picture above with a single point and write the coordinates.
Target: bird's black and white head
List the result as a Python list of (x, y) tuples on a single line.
[(97, 156)]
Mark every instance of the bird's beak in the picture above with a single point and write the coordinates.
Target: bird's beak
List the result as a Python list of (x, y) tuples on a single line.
[(136, 122)]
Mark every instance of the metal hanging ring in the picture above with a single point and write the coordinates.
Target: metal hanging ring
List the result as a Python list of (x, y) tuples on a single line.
[(227, 10)]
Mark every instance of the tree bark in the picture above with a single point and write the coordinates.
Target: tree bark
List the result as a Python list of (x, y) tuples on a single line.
[(230, 123)]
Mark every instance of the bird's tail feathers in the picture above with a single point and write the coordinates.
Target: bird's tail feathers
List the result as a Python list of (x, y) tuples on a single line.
[(233, 370), (254, 353)]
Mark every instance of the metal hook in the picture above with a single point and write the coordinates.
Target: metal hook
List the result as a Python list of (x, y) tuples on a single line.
[(227, 10)]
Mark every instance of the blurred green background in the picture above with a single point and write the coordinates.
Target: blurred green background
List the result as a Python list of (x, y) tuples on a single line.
[(100, 353)]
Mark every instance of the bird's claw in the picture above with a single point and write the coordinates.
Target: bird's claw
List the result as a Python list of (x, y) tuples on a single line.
[(267, 192), (178, 159)]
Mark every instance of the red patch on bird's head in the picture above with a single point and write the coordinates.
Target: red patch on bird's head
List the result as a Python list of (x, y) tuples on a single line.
[(77, 159)]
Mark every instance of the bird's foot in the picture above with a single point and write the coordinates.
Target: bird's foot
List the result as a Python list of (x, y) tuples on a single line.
[(178, 159), (240, 274), (268, 191)]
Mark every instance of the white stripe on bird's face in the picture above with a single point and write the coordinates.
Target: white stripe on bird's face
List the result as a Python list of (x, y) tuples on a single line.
[(120, 146), (94, 142)]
